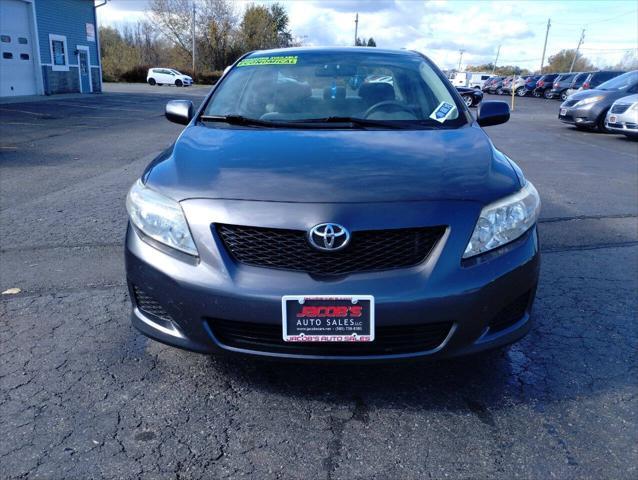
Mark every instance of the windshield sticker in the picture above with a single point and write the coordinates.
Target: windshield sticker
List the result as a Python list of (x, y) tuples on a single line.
[(248, 62), (442, 112)]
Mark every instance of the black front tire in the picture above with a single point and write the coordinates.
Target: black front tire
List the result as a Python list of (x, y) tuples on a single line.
[(600, 123), (152, 82), (548, 94), (521, 92), (178, 83), (468, 100), (563, 96)]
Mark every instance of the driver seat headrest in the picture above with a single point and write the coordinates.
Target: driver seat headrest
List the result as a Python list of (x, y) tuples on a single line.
[(376, 92)]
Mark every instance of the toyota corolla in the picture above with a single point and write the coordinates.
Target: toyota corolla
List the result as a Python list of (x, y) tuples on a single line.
[(333, 204)]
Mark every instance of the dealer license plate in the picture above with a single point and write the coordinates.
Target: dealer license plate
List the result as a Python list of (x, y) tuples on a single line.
[(612, 119), (328, 318), (563, 112)]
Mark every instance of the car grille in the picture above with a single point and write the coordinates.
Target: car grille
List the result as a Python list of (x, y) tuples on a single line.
[(388, 340), (569, 103), (368, 251), (511, 314), (619, 108), (148, 305)]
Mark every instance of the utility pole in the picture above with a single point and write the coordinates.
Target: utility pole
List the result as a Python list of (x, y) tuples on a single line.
[(498, 52), (193, 35), (460, 59), (580, 42), (549, 24), (356, 28)]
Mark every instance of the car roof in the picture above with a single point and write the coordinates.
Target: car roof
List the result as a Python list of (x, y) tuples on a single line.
[(361, 50)]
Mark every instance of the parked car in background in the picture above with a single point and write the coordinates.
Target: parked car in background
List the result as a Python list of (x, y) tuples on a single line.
[(168, 76), (544, 85), (505, 85), (622, 117), (587, 109), (561, 84), (489, 82), (518, 85), (471, 96), (577, 83), (596, 78), (530, 85), (469, 79)]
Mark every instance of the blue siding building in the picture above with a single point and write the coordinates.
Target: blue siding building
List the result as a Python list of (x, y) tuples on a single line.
[(48, 47)]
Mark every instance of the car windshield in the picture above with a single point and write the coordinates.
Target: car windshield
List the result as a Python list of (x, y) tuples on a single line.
[(621, 82), (311, 88)]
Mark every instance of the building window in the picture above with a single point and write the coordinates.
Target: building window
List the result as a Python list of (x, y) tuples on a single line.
[(5, 39), (59, 52), (22, 40), (24, 56), (7, 55)]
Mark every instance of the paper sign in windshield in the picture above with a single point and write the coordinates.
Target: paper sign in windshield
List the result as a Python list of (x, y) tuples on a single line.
[(442, 112), (287, 60)]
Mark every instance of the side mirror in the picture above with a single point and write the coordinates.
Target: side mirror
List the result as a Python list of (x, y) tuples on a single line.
[(493, 113), (179, 111)]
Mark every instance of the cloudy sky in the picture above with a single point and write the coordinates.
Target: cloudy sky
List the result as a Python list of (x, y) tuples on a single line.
[(440, 28)]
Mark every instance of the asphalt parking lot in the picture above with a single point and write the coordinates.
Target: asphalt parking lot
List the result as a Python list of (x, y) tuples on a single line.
[(84, 395)]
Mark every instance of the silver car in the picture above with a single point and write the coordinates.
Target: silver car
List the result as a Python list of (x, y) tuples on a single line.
[(622, 117)]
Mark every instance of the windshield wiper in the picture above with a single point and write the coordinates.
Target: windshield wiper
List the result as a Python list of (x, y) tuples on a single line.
[(237, 120), (357, 122)]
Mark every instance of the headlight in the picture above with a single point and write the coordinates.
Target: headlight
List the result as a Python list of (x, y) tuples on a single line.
[(588, 101), (504, 220), (159, 217)]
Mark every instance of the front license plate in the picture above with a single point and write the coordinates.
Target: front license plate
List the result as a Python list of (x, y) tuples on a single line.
[(328, 318), (612, 119), (563, 112)]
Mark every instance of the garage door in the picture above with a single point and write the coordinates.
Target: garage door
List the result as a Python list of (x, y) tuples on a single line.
[(17, 64)]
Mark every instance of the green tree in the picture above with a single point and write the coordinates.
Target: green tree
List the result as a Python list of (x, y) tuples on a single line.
[(117, 55), (561, 61), (371, 42)]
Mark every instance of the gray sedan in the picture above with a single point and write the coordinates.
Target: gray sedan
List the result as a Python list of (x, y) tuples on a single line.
[(587, 109)]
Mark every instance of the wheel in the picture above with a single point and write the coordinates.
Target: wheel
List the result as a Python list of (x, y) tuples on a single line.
[(547, 94), (178, 83), (537, 94), (521, 92), (499, 91), (563, 96), (151, 81), (600, 123), (469, 101)]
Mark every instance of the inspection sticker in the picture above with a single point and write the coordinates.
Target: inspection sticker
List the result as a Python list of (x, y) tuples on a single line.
[(287, 60), (442, 112)]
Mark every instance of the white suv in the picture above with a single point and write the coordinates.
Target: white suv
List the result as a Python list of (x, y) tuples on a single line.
[(168, 76)]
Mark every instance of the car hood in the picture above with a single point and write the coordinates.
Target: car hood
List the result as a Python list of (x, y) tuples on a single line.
[(607, 94), (333, 165)]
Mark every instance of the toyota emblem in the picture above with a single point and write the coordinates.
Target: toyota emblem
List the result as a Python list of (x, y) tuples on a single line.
[(328, 236)]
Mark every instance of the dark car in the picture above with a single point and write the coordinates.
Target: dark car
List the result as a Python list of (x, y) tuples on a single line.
[(577, 82), (596, 78), (530, 85), (544, 85), (560, 85), (471, 96), (304, 216), (496, 87), (587, 109), (489, 82)]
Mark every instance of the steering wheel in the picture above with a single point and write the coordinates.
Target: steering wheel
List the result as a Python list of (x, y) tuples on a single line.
[(389, 105)]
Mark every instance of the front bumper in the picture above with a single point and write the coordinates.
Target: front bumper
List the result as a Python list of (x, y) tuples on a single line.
[(577, 116), (625, 123), (195, 296)]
